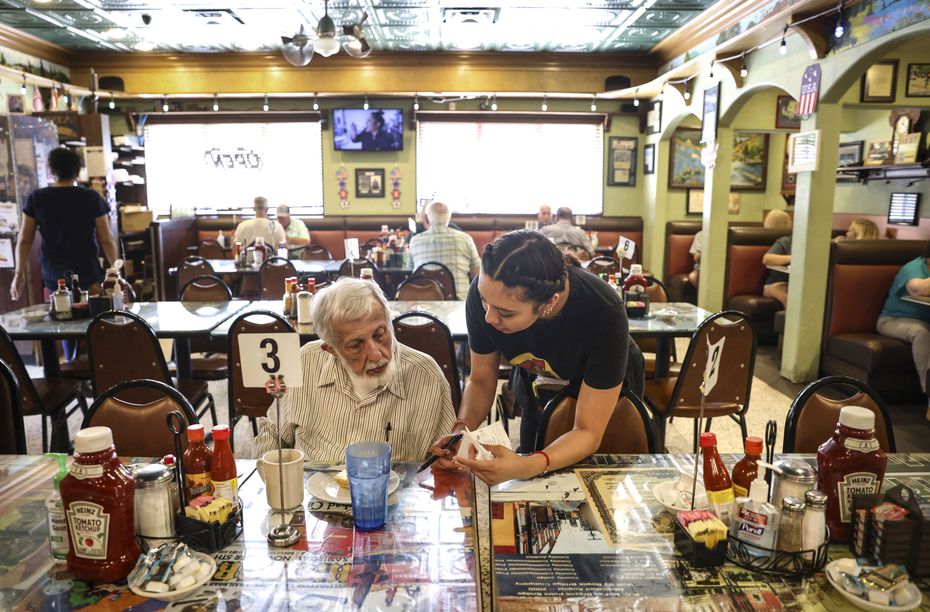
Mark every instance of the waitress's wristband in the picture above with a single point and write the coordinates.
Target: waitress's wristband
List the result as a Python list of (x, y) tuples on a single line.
[(543, 453), (459, 422)]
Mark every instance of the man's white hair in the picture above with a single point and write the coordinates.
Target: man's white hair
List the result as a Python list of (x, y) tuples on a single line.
[(345, 301), (438, 213)]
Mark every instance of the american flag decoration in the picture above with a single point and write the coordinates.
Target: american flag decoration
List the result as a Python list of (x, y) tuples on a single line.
[(810, 90)]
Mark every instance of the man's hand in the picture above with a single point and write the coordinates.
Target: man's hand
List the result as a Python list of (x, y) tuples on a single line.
[(445, 456), (17, 286)]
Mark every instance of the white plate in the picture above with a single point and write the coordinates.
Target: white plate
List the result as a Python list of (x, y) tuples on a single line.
[(664, 313), (180, 594), (667, 495), (34, 316), (323, 486), (865, 604)]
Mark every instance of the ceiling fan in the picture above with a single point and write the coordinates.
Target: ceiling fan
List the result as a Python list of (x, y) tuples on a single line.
[(299, 48)]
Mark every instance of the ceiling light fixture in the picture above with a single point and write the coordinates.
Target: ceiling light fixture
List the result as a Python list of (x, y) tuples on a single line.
[(297, 49), (743, 69), (316, 104), (112, 103), (687, 95), (636, 98), (365, 105), (265, 104), (783, 47), (839, 30), (22, 88), (216, 103), (358, 45), (545, 104), (711, 75), (164, 104), (326, 44), (416, 103), (594, 104), (493, 102)]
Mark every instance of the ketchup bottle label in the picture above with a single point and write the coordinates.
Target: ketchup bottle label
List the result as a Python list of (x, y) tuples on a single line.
[(862, 446), (854, 483), (86, 472), (90, 530)]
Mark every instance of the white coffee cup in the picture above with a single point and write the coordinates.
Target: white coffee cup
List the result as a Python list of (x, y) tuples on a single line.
[(292, 460)]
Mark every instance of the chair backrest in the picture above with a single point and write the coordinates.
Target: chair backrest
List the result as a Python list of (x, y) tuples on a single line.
[(271, 277), (210, 249), (249, 401), (813, 415), (315, 252), (121, 346), (12, 428), (629, 430), (128, 419), (603, 265), (734, 376), (658, 294), (861, 273), (354, 267), (206, 289), (429, 335), (442, 275), (368, 245), (29, 398), (420, 288), (678, 238), (191, 267)]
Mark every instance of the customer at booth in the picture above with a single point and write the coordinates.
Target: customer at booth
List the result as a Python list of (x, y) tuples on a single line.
[(298, 236), (269, 230), (72, 221), (547, 318), (440, 243), (861, 229), (776, 283), (563, 232), (909, 321), (357, 379), (544, 216)]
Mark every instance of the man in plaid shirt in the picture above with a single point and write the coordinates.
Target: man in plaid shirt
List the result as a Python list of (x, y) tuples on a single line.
[(452, 248)]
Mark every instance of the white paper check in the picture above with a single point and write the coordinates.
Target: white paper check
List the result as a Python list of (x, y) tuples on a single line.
[(489, 434)]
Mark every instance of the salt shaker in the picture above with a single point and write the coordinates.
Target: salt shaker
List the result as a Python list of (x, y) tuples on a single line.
[(154, 504), (813, 527), (303, 307)]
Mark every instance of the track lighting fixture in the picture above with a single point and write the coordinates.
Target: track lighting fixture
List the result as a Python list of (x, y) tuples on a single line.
[(365, 105), (594, 104), (265, 104), (316, 103), (783, 47), (636, 98), (22, 88), (416, 103), (494, 102), (545, 104), (164, 104), (112, 103), (838, 31), (743, 69), (216, 103)]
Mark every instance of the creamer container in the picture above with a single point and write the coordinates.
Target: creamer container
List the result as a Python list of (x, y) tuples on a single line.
[(98, 496)]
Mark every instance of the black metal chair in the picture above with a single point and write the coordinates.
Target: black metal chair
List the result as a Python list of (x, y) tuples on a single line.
[(12, 427), (271, 277), (441, 274), (315, 252), (813, 415), (419, 289)]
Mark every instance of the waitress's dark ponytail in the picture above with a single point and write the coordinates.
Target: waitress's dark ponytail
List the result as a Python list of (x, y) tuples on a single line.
[(527, 260)]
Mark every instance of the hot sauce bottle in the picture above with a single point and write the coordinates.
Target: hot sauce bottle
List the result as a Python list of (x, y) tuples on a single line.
[(746, 470), (197, 463), (850, 463), (716, 479), (223, 466), (98, 496)]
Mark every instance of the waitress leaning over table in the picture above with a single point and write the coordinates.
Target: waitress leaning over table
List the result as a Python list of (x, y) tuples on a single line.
[(550, 319)]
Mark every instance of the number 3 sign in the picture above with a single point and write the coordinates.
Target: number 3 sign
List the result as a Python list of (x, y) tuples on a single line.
[(262, 355)]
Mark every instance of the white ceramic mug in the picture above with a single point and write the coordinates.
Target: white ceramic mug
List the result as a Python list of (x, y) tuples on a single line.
[(292, 460)]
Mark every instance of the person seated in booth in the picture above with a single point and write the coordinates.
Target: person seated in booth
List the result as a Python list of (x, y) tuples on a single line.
[(295, 230), (861, 229), (261, 226), (697, 244), (776, 283), (544, 216), (562, 231), (908, 321), (454, 249), (357, 379)]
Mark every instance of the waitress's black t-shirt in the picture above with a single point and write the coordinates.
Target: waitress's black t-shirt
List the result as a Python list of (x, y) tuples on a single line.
[(587, 341), (67, 220)]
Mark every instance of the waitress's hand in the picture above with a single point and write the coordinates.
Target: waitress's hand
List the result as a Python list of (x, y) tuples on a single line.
[(506, 465), (16, 286), (445, 456)]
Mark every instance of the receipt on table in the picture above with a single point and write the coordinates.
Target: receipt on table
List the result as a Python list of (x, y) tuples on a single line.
[(489, 434)]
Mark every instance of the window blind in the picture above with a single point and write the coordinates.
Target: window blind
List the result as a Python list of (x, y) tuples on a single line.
[(216, 168), (483, 167)]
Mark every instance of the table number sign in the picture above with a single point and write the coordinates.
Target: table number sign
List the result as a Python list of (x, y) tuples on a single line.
[(626, 248), (351, 248), (531, 225), (264, 355)]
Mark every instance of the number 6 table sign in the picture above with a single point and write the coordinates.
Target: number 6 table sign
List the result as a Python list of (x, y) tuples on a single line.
[(268, 360)]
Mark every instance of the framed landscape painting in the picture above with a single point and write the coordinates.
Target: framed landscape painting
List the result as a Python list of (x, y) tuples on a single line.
[(750, 158), (686, 170), (918, 81)]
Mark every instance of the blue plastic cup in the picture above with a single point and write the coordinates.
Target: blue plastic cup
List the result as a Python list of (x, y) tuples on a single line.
[(368, 465)]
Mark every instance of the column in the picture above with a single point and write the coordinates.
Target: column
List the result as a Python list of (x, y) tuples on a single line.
[(716, 212), (655, 210), (810, 251)]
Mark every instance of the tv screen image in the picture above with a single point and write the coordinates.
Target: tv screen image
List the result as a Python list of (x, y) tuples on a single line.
[(355, 129)]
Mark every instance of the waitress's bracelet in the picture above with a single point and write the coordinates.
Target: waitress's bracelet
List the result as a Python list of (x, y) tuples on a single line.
[(460, 422), (543, 453)]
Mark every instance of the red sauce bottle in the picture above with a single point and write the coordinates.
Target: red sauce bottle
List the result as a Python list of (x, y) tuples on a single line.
[(98, 496), (850, 463), (716, 479), (223, 466), (197, 463), (746, 470), (635, 282)]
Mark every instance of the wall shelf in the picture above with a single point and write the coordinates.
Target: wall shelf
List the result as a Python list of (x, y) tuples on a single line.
[(888, 172)]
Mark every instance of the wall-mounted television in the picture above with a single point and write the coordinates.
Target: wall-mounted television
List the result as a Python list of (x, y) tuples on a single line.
[(375, 129)]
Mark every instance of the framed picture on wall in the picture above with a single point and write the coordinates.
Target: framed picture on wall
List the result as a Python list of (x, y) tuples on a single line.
[(851, 153), (649, 159), (880, 152), (710, 114), (789, 180), (654, 118), (879, 82), (918, 81), (15, 103), (621, 161), (786, 114), (685, 168), (750, 159), (695, 203), (369, 182)]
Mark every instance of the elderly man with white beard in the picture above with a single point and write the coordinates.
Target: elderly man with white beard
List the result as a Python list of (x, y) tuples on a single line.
[(357, 379)]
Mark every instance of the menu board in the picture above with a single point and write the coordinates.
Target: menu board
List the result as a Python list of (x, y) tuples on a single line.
[(803, 148)]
